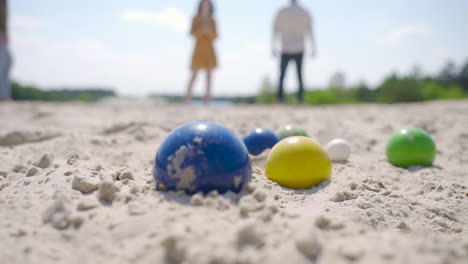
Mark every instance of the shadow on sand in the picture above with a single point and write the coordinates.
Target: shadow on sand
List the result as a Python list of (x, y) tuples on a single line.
[(419, 168), (312, 191)]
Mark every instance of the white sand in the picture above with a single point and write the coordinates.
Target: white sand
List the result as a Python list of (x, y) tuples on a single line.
[(371, 212)]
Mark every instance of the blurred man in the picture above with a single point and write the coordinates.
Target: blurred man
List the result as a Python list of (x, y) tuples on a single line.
[(292, 25), (5, 58)]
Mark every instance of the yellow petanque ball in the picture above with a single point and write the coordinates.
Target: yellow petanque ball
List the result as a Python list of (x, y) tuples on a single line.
[(298, 163)]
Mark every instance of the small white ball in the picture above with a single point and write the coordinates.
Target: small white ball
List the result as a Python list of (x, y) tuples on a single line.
[(338, 150)]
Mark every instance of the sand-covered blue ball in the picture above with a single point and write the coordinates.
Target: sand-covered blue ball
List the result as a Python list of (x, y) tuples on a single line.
[(259, 140), (202, 157)]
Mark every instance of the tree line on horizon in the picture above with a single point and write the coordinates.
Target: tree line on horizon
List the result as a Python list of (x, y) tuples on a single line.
[(30, 93), (450, 83)]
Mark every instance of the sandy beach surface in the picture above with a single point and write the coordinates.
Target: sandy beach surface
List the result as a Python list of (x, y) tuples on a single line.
[(76, 186)]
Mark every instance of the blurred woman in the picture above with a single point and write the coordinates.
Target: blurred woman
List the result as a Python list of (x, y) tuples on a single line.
[(204, 58)]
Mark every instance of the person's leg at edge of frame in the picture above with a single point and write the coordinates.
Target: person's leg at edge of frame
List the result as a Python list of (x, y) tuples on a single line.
[(300, 93), (5, 87), (7, 77), (207, 98), (283, 66), (3, 91), (188, 96)]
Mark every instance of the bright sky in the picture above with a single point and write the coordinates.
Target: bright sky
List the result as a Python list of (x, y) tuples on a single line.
[(142, 46)]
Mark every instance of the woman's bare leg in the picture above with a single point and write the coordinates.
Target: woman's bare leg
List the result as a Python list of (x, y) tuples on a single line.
[(188, 95), (208, 87)]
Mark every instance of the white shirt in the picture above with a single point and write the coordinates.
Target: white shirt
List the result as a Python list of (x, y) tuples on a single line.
[(292, 25)]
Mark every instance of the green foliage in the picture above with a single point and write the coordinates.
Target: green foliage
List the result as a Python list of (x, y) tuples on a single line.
[(20, 92), (448, 74), (462, 78), (290, 99), (87, 98), (398, 90), (433, 90), (412, 89), (330, 96), (364, 94), (267, 92), (450, 83)]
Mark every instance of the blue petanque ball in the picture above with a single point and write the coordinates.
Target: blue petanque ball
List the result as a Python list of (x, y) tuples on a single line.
[(259, 140), (202, 157)]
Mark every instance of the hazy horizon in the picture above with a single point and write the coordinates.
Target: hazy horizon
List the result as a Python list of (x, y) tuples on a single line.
[(143, 47)]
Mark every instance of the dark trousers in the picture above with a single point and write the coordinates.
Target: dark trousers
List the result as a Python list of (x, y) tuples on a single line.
[(285, 58)]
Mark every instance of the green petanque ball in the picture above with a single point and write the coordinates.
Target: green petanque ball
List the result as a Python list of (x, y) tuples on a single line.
[(411, 147), (292, 131)]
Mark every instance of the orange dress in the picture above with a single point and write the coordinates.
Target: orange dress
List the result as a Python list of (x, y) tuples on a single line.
[(204, 31)]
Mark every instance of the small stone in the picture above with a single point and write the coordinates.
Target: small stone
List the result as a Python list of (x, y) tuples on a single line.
[(87, 204), (77, 221), (336, 226), (249, 235), (213, 194), (353, 186), (249, 204), (44, 162), (403, 226), (260, 195), (351, 254), (68, 173), (272, 208), (126, 182), (3, 174), (85, 184), (19, 233), (322, 222), (386, 193), (257, 170), (309, 246), (135, 190), (72, 159), (4, 185), (250, 187), (197, 200), (32, 171), (127, 198), (107, 191), (19, 168), (343, 196), (174, 253), (98, 168), (58, 214), (338, 197), (116, 175), (210, 202), (126, 175)]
